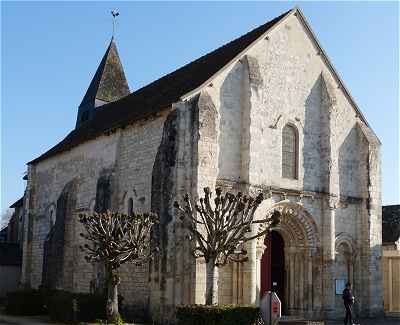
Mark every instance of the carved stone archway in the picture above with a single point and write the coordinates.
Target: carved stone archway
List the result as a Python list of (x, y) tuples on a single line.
[(347, 261), (297, 225), (302, 250)]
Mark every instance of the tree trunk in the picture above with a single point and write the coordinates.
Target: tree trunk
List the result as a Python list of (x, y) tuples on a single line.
[(212, 274), (112, 296)]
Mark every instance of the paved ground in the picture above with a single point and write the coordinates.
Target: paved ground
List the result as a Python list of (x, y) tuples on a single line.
[(382, 321), (22, 320), (42, 320), (31, 320)]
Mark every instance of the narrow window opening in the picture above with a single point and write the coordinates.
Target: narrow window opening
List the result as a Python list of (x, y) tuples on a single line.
[(289, 152), (130, 206), (103, 195)]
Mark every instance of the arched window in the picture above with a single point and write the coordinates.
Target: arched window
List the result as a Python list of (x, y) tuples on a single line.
[(343, 262), (130, 206), (289, 152), (103, 194)]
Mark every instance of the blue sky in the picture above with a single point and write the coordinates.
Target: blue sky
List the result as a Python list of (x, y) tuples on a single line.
[(50, 51)]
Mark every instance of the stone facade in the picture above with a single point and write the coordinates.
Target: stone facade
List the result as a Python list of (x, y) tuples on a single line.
[(229, 134), (117, 155)]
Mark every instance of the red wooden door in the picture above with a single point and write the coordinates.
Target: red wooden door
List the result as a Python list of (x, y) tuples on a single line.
[(266, 266), (273, 266)]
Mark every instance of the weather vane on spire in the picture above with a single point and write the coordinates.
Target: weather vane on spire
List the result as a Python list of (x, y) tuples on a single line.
[(115, 14)]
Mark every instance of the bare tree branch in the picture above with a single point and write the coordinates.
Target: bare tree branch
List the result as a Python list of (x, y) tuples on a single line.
[(220, 229), (115, 239)]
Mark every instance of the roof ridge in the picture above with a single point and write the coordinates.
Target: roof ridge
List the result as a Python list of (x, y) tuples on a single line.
[(161, 93), (211, 52)]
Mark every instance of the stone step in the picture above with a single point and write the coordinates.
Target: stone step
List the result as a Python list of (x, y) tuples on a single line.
[(299, 322)]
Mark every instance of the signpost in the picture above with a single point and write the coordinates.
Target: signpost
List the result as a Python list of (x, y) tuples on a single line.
[(271, 308)]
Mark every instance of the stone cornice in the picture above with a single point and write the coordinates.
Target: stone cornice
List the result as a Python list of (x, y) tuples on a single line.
[(270, 190)]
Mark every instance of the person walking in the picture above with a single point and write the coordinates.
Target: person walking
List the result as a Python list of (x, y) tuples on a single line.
[(348, 300)]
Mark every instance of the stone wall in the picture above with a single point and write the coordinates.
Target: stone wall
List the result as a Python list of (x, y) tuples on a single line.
[(174, 270), (281, 80), (46, 182), (126, 157), (230, 135), (9, 279)]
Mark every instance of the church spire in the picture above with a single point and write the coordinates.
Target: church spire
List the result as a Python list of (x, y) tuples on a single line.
[(108, 84)]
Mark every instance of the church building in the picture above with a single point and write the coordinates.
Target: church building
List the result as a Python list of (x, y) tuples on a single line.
[(267, 113)]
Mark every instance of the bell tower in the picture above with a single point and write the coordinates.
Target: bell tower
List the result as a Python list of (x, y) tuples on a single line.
[(108, 84)]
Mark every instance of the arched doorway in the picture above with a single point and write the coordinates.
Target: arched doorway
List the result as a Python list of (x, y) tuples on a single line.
[(273, 272), (278, 271), (299, 276)]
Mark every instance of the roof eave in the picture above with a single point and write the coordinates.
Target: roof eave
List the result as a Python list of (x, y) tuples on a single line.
[(17, 203), (106, 131)]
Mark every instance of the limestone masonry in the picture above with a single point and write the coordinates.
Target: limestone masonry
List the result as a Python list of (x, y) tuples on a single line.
[(234, 119)]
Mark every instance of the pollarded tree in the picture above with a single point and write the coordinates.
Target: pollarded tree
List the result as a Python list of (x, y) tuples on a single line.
[(116, 239), (219, 230)]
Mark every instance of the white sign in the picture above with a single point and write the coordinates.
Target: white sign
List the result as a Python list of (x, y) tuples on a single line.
[(340, 284), (271, 308)]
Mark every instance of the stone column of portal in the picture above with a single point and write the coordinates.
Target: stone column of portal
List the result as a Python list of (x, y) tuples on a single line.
[(297, 281), (250, 274), (291, 279), (287, 279), (301, 282), (259, 253), (309, 287), (329, 257)]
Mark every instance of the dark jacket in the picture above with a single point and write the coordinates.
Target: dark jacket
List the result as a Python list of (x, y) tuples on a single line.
[(348, 297)]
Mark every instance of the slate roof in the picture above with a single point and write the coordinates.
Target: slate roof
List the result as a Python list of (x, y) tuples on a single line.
[(10, 254), (109, 82), (390, 223), (18, 203), (160, 94), (4, 234)]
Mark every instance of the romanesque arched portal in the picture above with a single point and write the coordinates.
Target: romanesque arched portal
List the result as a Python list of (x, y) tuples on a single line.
[(302, 283)]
